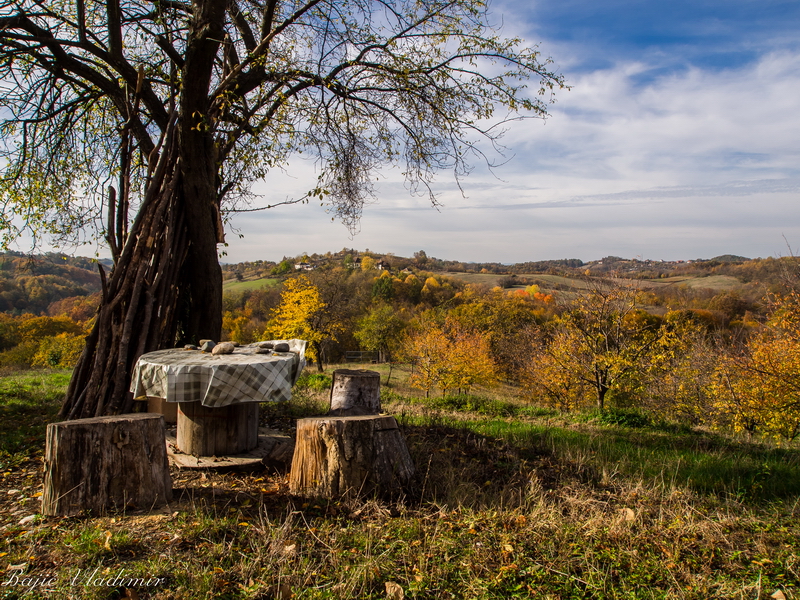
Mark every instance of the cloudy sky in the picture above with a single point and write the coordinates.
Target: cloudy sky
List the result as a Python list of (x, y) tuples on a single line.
[(679, 139)]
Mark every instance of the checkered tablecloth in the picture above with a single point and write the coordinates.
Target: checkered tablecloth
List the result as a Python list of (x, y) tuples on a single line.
[(219, 380)]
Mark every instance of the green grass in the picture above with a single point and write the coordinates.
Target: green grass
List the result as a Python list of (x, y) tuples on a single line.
[(232, 285), (509, 501), (28, 401), (720, 283)]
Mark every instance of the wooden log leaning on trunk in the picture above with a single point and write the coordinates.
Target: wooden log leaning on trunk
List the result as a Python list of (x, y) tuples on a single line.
[(103, 463), (355, 392), (357, 455), (223, 431)]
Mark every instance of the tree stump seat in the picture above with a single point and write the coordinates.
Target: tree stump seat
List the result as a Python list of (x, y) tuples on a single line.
[(356, 455), (352, 450), (355, 392), (103, 463)]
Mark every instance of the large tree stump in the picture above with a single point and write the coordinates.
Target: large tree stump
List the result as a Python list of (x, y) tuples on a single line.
[(106, 462), (338, 456), (223, 431), (355, 392)]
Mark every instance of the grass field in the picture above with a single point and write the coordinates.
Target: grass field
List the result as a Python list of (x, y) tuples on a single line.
[(719, 283), (232, 285), (509, 501)]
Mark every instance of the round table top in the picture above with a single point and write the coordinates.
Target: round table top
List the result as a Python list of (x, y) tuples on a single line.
[(215, 380)]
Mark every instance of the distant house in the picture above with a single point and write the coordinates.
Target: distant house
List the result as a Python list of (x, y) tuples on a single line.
[(406, 271), (382, 265), (304, 266), (356, 264)]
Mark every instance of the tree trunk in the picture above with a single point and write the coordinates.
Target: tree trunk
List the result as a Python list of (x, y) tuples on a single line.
[(140, 309), (355, 392), (340, 456), (166, 284), (318, 351), (105, 462), (601, 397)]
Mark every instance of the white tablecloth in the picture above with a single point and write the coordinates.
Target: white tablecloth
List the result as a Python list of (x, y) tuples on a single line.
[(180, 375)]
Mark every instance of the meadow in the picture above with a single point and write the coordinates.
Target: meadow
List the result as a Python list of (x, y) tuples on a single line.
[(510, 501)]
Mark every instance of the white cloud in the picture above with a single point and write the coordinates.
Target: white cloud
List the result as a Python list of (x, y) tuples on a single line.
[(634, 161)]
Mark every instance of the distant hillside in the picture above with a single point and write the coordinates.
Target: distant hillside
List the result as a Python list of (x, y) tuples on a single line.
[(32, 283), (730, 258)]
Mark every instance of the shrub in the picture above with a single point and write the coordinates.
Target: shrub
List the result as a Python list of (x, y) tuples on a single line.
[(60, 351), (316, 382), (624, 417)]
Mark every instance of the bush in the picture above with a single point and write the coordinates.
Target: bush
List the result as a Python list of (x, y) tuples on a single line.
[(315, 382), (20, 356), (624, 417), (60, 351), (469, 403)]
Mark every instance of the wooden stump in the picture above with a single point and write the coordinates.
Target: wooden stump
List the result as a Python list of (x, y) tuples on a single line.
[(355, 392), (106, 462), (223, 431), (338, 456)]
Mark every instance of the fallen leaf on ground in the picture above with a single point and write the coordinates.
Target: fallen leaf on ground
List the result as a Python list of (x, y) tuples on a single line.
[(628, 514), (394, 591)]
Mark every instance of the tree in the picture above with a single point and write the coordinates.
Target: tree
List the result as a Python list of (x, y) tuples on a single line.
[(145, 122), (367, 263), (383, 287), (380, 331), (448, 355), (294, 317), (605, 339), (758, 388)]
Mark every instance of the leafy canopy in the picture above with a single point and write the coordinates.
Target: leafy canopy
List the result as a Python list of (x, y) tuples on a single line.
[(89, 89)]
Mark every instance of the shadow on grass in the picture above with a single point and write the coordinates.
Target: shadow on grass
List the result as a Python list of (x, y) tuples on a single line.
[(704, 462)]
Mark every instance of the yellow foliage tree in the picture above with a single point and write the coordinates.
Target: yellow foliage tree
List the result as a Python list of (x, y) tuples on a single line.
[(60, 351), (680, 373), (549, 377), (367, 263), (606, 341), (295, 316), (239, 325), (759, 388)]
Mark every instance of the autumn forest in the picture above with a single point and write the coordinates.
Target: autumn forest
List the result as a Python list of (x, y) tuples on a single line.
[(712, 343)]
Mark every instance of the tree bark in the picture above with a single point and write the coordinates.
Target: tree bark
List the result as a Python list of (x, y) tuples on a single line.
[(355, 392), (341, 456), (200, 192), (166, 285), (105, 463)]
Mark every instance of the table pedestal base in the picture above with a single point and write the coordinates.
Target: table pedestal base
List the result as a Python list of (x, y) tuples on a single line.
[(204, 431)]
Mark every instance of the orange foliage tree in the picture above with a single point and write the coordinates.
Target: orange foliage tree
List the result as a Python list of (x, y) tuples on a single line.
[(449, 355)]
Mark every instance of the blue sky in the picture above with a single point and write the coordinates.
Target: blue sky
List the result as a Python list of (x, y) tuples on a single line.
[(679, 139)]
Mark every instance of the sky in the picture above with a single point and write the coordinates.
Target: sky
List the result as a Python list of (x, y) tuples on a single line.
[(679, 139)]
